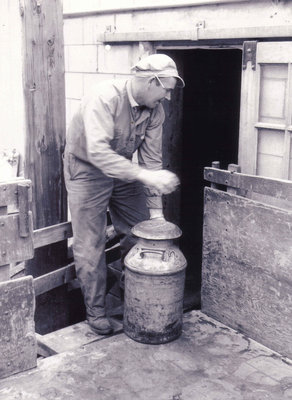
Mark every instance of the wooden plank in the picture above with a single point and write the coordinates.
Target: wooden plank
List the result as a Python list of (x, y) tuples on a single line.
[(54, 279), (246, 276), (9, 193), (56, 233), (14, 248), (18, 342), (42, 348), (73, 336), (215, 164), (197, 34), (23, 201), (61, 276), (52, 234), (278, 188), (233, 168)]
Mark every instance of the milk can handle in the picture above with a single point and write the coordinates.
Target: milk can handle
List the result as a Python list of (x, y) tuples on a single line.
[(155, 251)]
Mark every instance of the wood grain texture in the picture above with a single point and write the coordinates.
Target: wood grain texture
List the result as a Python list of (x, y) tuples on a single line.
[(18, 342), (9, 194), (44, 97), (246, 277), (14, 248), (44, 91)]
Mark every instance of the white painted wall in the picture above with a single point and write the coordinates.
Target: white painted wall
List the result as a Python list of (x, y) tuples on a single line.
[(12, 113), (87, 60)]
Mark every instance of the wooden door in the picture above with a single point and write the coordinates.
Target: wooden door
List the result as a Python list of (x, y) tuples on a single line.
[(266, 110)]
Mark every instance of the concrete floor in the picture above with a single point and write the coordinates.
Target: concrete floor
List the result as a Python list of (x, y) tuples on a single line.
[(208, 362)]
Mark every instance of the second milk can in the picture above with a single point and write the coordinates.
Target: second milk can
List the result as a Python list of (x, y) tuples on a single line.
[(154, 284)]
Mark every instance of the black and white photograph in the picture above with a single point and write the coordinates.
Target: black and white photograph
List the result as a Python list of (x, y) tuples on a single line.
[(146, 200)]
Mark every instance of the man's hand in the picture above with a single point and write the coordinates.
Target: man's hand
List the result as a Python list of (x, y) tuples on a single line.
[(163, 181)]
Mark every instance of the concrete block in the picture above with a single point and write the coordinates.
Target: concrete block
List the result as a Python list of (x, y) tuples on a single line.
[(116, 59), (74, 85), (82, 58), (95, 25), (73, 31), (90, 80), (66, 57), (71, 108)]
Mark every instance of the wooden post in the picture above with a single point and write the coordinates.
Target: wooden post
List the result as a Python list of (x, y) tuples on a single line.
[(233, 168), (44, 96), (215, 164)]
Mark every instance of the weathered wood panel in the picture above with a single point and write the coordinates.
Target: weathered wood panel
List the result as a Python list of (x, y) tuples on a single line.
[(14, 248), (247, 263), (54, 279), (9, 194), (52, 234), (44, 94), (278, 188), (17, 336), (44, 91)]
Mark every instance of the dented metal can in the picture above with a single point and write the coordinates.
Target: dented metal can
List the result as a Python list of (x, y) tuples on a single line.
[(154, 284)]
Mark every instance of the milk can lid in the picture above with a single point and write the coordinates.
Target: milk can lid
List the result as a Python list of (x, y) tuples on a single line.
[(156, 229)]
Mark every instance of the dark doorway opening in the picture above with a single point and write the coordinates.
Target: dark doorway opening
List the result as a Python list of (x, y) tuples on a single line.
[(210, 130)]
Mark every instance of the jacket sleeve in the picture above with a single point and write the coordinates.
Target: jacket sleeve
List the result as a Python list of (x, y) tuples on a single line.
[(150, 153), (99, 131)]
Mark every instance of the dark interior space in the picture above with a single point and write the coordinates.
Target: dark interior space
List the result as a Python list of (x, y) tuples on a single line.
[(210, 126)]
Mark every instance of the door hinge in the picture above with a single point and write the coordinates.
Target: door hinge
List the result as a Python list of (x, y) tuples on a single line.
[(249, 54)]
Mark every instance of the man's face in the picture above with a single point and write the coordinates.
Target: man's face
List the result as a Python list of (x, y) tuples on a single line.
[(157, 90)]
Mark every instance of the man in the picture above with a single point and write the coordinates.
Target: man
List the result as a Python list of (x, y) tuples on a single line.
[(116, 119)]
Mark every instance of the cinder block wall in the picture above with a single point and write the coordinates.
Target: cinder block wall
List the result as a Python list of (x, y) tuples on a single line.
[(88, 61)]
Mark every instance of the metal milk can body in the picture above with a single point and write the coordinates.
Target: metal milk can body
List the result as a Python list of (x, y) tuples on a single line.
[(154, 284)]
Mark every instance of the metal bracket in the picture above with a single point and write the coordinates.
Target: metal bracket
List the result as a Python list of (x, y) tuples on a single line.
[(249, 54)]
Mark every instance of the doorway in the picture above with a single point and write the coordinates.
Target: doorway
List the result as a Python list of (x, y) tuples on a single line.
[(210, 131)]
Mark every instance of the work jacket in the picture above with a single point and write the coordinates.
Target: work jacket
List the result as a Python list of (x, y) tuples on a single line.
[(110, 126)]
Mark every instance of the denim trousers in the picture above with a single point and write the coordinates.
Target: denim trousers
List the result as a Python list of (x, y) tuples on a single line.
[(91, 194)]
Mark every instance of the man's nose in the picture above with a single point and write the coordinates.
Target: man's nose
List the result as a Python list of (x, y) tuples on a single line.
[(167, 96)]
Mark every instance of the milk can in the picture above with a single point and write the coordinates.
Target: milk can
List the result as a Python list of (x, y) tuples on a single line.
[(154, 284)]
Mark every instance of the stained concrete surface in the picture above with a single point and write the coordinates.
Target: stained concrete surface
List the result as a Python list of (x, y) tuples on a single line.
[(208, 362)]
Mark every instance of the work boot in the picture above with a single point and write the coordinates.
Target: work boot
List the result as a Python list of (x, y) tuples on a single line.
[(100, 325)]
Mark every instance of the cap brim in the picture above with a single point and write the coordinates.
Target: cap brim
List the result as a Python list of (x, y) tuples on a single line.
[(180, 82)]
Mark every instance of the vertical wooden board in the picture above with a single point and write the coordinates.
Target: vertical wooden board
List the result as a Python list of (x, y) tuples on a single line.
[(9, 194), (247, 260), (44, 92), (17, 336), (14, 248)]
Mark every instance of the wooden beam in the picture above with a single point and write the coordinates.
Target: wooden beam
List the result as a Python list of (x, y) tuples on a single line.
[(197, 34), (54, 279), (52, 234), (81, 9), (280, 189), (57, 233)]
